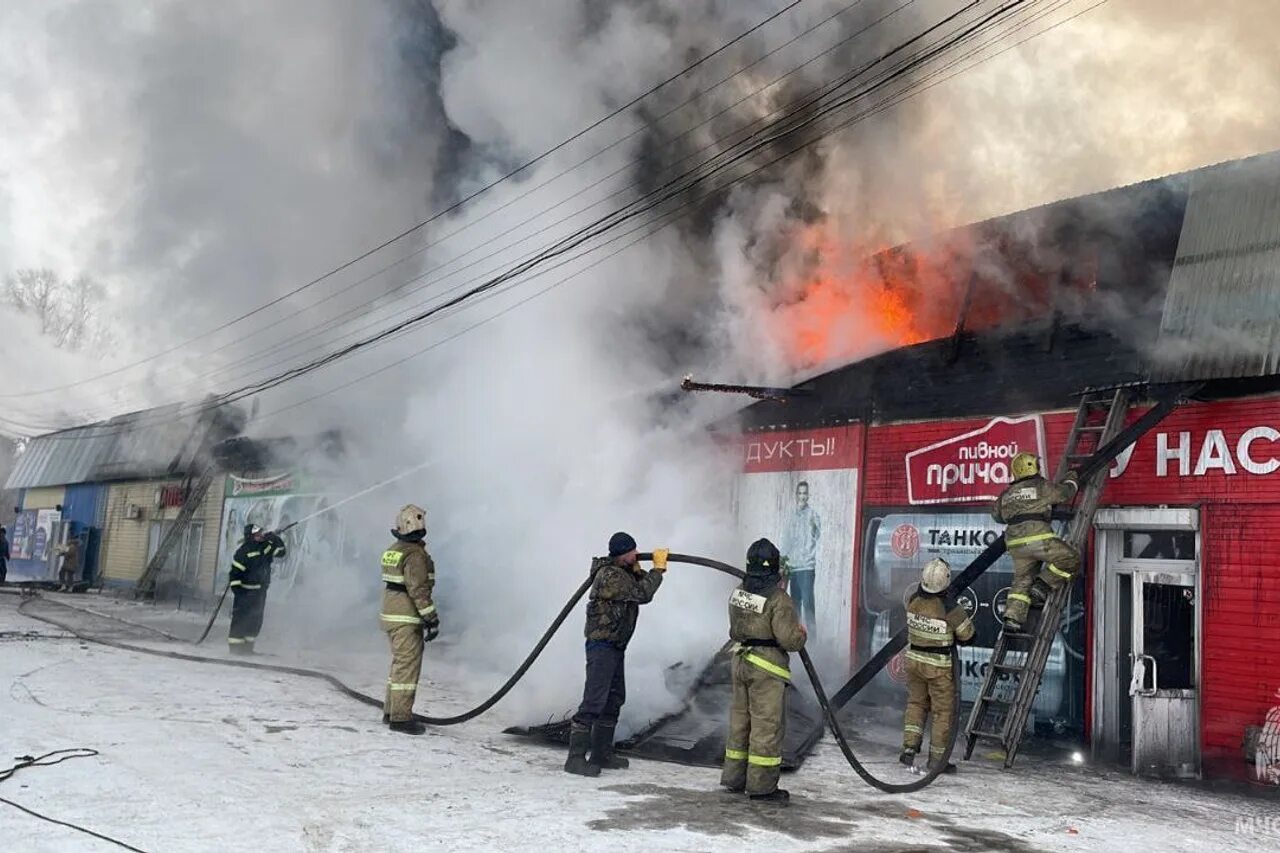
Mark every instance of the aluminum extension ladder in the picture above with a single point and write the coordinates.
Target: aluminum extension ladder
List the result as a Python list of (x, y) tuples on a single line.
[(1018, 659), (173, 535)]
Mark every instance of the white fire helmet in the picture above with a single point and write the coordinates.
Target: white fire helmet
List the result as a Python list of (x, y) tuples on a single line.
[(936, 576), (411, 519)]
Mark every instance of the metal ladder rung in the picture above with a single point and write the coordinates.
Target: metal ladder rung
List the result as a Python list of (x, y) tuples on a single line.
[(1011, 667), (986, 734), (1018, 635)]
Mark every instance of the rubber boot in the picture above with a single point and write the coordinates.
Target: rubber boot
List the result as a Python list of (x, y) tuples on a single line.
[(1039, 593), (949, 769), (408, 727), (602, 754), (240, 649), (907, 758), (777, 795), (579, 743), (386, 719)]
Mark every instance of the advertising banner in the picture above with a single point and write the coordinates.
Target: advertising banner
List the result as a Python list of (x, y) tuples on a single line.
[(972, 467), (896, 547), (22, 537), (800, 490), (271, 504)]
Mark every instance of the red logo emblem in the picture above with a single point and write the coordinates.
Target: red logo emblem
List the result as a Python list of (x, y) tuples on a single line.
[(905, 541), (898, 668)]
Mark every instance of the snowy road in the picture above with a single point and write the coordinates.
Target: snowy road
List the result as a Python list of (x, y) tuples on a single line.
[(198, 757)]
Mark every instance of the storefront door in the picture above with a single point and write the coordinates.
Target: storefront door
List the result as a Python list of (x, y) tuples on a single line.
[(1147, 641)]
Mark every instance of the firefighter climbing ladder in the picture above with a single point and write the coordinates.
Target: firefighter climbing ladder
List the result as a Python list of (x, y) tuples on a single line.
[(1018, 659), (173, 535)]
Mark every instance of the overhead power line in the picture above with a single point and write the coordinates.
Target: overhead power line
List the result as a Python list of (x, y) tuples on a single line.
[(780, 131), (455, 206)]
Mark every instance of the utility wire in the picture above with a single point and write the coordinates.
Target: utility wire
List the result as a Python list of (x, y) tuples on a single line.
[(604, 224), (359, 309), (880, 108), (814, 98), (558, 250), (577, 238), (433, 217), (309, 334)]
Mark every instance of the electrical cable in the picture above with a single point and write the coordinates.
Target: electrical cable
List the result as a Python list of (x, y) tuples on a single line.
[(39, 761), (578, 240), (357, 310), (438, 214), (568, 170), (601, 225)]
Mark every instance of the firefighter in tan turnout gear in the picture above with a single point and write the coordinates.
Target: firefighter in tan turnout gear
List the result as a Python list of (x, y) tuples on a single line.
[(763, 623), (408, 615), (933, 630), (1026, 506)]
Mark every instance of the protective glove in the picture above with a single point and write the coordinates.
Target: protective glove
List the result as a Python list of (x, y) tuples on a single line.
[(430, 629), (660, 559)]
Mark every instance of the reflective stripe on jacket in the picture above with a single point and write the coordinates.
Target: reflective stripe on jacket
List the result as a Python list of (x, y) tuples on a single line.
[(765, 618), (930, 625), (410, 567)]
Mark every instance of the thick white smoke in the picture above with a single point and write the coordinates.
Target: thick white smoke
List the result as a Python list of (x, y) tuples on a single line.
[(203, 159)]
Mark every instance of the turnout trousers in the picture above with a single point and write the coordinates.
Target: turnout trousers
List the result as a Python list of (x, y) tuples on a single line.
[(757, 725), (1061, 563), (406, 667), (930, 689), (247, 609), (605, 690)]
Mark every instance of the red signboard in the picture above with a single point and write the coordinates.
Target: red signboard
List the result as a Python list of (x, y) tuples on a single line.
[(802, 450), (972, 467)]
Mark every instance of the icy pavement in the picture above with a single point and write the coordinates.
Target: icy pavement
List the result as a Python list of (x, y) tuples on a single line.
[(198, 757)]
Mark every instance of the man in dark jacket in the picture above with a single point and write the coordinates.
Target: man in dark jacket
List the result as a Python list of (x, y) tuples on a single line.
[(619, 588), (250, 578)]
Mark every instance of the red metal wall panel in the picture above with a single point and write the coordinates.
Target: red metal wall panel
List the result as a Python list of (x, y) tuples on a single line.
[(1223, 455), (1241, 644)]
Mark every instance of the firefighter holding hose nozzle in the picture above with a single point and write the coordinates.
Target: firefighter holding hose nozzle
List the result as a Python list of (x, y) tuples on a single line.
[(618, 588), (764, 625), (934, 626), (1026, 506), (250, 579)]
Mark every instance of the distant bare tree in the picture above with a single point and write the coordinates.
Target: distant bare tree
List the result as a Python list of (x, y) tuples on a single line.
[(69, 312)]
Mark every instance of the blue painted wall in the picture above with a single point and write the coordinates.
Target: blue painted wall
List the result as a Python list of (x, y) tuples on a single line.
[(84, 506)]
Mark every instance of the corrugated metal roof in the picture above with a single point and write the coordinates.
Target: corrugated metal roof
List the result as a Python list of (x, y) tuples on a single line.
[(153, 443), (1222, 311)]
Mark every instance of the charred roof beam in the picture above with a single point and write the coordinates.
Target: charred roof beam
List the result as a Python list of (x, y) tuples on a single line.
[(759, 392)]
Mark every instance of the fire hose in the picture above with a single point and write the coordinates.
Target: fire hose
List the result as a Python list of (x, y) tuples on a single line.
[(826, 705), (1099, 459)]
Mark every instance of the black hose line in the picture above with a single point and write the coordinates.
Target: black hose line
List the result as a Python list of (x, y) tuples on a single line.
[(716, 565), (864, 676)]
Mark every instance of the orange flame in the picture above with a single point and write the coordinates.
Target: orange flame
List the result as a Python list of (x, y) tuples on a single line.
[(846, 302), (849, 304)]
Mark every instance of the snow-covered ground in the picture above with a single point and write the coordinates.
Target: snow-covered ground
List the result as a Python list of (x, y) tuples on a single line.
[(196, 757)]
